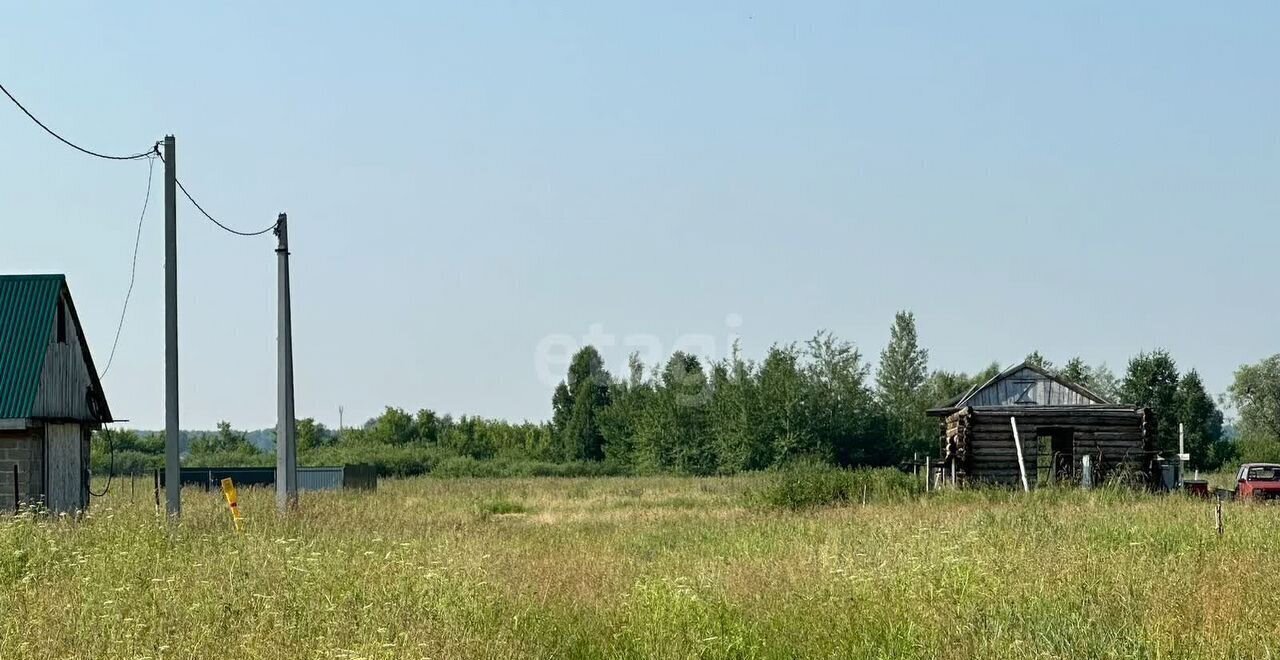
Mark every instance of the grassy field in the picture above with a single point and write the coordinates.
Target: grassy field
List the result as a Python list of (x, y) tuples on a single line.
[(640, 568)]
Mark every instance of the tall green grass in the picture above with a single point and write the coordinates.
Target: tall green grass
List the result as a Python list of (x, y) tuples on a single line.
[(808, 484), (658, 567)]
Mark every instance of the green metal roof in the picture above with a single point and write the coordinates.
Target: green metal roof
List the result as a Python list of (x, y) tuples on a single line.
[(27, 306)]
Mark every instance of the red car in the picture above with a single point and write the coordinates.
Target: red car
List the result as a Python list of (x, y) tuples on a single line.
[(1258, 481)]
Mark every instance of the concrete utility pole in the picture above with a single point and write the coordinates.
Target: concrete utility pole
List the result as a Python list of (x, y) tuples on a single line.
[(172, 467), (286, 436)]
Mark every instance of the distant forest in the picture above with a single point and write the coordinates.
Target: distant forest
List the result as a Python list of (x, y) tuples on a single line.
[(820, 399)]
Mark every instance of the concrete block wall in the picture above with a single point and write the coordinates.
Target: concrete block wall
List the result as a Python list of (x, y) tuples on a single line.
[(23, 450)]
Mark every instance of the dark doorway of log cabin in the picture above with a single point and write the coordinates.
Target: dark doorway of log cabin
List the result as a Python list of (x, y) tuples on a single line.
[(1055, 459)]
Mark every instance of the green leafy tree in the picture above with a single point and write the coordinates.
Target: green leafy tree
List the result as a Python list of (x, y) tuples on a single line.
[(588, 394), (561, 408), (672, 432), (943, 387), (1202, 423), (900, 385), (125, 451), (1255, 394), (393, 427), (311, 434), (687, 393), (1035, 359), (1103, 382), (841, 411), (783, 424), (225, 440), (1075, 371), (1098, 380), (225, 447), (471, 436), (735, 416), (1152, 381), (427, 426), (628, 400)]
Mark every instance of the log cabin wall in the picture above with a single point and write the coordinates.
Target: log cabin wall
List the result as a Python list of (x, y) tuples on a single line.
[(981, 439)]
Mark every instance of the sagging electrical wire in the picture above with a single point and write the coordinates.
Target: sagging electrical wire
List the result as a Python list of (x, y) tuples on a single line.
[(111, 472), (133, 267), (69, 143), (214, 220)]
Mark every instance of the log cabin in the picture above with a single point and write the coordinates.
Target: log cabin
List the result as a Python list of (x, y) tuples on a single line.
[(51, 399), (1058, 422)]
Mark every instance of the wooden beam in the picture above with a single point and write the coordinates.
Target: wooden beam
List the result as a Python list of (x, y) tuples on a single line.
[(1022, 468)]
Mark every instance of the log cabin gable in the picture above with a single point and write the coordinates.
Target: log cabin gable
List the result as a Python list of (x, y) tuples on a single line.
[(1028, 385)]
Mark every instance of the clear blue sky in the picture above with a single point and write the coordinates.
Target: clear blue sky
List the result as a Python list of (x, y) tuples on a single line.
[(466, 181)]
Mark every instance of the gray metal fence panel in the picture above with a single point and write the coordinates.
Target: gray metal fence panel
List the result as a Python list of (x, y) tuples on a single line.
[(309, 478), (320, 478)]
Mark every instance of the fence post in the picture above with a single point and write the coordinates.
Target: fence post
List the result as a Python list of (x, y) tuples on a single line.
[(16, 508)]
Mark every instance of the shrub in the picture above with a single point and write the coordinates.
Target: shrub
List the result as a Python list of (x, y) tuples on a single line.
[(234, 458), (390, 460), (500, 505), (807, 483), (102, 463), (465, 466)]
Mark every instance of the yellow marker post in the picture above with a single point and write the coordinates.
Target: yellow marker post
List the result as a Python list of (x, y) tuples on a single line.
[(229, 491)]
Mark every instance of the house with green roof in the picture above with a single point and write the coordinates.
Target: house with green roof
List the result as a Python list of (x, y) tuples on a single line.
[(51, 399)]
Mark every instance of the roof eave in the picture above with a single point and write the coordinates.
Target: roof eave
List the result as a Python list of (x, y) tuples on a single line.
[(105, 416)]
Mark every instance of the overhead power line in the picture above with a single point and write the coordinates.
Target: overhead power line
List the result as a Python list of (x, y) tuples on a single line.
[(133, 268), (69, 143), (212, 219), (215, 221), (153, 151)]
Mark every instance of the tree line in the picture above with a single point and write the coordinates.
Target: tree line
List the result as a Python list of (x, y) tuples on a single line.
[(821, 399)]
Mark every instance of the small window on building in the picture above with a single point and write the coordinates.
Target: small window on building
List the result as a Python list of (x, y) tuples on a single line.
[(62, 322)]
